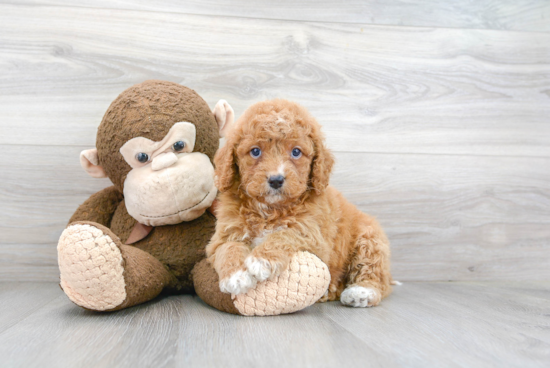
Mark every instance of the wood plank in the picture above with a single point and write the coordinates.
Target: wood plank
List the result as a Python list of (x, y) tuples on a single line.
[(520, 15), (306, 338), (453, 217), (30, 262), (448, 217), (456, 324), (178, 330), (419, 325), (19, 300), (374, 88)]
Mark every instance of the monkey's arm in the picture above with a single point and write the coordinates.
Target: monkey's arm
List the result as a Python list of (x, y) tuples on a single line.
[(99, 208)]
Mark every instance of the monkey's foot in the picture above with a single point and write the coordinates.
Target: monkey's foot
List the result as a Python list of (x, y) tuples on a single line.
[(100, 273), (299, 286), (91, 267), (304, 281)]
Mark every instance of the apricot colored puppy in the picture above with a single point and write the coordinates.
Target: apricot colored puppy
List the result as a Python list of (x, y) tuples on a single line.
[(273, 175)]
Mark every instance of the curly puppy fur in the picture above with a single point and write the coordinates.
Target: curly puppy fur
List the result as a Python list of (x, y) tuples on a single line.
[(260, 227)]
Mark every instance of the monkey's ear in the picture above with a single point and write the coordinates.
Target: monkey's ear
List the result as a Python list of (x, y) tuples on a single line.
[(90, 162), (225, 117)]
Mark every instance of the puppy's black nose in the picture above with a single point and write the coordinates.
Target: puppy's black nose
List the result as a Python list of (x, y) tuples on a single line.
[(276, 181)]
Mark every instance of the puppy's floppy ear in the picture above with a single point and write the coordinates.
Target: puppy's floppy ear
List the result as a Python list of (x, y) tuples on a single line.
[(321, 166), (226, 165)]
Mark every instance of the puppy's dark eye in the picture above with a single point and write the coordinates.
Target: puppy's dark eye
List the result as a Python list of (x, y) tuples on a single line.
[(178, 146), (142, 157), (296, 153), (255, 152)]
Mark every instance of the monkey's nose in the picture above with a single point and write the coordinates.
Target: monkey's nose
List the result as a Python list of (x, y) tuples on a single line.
[(164, 160), (276, 181)]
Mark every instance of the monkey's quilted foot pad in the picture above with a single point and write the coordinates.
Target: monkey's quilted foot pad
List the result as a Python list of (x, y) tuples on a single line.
[(303, 283), (91, 267)]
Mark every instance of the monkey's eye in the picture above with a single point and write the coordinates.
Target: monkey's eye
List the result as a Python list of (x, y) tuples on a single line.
[(296, 153), (142, 157), (178, 146), (255, 152)]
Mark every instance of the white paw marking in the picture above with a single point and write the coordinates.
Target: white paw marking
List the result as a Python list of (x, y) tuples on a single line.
[(258, 267), (357, 296), (238, 283)]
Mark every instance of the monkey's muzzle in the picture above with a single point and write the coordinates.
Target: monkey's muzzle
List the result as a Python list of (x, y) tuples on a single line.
[(178, 192)]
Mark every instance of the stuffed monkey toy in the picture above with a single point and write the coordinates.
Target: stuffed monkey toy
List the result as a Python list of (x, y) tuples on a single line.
[(146, 234)]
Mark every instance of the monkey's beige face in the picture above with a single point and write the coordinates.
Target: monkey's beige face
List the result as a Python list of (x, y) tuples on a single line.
[(168, 183), (170, 180)]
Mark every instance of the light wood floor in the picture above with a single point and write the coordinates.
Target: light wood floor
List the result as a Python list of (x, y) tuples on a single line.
[(448, 324)]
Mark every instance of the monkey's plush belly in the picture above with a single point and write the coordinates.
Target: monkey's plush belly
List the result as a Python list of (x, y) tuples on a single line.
[(178, 247)]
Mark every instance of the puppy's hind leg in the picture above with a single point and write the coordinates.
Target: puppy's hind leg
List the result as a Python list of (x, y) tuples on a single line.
[(369, 275)]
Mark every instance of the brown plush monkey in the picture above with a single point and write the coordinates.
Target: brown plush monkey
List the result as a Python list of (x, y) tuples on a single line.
[(147, 232)]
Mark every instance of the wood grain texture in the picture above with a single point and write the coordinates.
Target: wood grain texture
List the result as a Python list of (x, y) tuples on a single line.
[(443, 134), (374, 89), (457, 325), (20, 300), (519, 15), (419, 325), (448, 217)]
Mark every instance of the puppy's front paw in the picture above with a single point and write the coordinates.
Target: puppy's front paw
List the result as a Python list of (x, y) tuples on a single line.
[(360, 297), (238, 283), (260, 268)]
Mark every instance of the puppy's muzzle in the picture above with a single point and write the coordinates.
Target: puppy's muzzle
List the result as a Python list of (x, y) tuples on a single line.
[(276, 181)]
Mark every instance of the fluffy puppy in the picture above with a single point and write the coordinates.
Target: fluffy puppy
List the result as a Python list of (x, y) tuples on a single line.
[(273, 175)]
